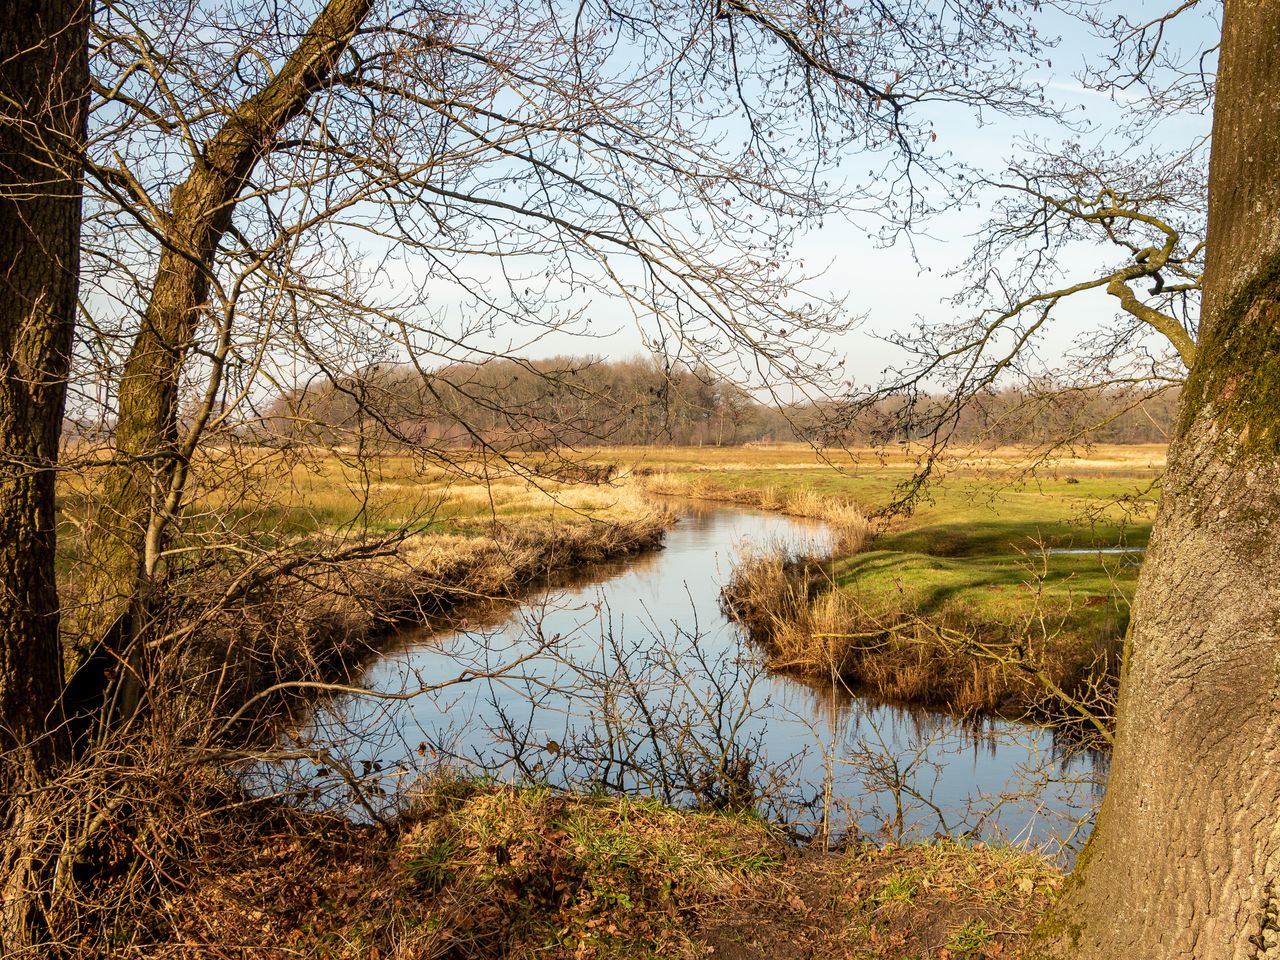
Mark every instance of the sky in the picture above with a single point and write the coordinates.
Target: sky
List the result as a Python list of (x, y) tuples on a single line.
[(896, 285)]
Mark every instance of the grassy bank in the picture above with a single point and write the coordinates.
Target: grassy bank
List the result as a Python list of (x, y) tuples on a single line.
[(484, 871), (995, 503), (297, 573), (193, 867), (998, 594), (1029, 654)]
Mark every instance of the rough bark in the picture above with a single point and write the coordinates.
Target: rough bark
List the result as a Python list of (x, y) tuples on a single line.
[(126, 536), (1185, 859), (43, 84), (43, 96)]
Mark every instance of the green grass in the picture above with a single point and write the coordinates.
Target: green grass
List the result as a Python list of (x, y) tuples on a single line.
[(901, 887), (969, 939), (1088, 592), (966, 602), (976, 547), (973, 564)]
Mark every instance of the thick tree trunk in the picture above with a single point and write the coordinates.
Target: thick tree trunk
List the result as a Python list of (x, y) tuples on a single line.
[(127, 533), (1185, 860), (43, 89), (44, 81)]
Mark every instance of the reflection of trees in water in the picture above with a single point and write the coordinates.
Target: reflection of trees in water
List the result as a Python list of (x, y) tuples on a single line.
[(901, 760), (845, 711), (1084, 759), (683, 717)]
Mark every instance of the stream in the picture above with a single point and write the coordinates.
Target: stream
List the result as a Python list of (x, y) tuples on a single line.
[(632, 678)]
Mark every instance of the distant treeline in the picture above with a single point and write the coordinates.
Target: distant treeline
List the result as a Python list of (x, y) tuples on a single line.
[(537, 403), (542, 404), (1039, 415)]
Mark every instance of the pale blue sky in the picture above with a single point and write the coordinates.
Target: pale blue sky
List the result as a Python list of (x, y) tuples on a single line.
[(888, 285)]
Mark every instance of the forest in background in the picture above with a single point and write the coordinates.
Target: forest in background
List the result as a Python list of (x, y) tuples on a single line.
[(589, 400)]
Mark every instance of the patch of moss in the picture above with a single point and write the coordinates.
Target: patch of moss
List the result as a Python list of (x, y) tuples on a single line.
[(1056, 927), (1237, 374)]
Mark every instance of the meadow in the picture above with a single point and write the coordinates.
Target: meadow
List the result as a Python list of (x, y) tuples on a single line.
[(998, 584), (295, 568), (979, 503), (994, 539)]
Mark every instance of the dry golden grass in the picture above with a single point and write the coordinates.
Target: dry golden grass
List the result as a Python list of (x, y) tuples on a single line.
[(787, 604), (294, 566), (323, 619), (263, 493), (804, 457), (850, 528)]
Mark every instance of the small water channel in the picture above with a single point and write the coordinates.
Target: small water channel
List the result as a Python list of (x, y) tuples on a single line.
[(634, 679)]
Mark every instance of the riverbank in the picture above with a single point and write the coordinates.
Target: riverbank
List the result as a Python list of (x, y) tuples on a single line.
[(479, 871), (853, 621), (330, 609), (474, 869), (1006, 592), (851, 529)]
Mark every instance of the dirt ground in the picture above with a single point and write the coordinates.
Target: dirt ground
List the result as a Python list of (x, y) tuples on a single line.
[(484, 871)]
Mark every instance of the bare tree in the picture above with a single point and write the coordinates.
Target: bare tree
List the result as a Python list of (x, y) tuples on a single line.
[(1143, 211), (1182, 860), (286, 190), (145, 487), (261, 204), (1130, 197)]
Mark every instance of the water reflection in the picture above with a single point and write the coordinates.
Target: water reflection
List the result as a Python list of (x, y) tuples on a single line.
[(636, 681)]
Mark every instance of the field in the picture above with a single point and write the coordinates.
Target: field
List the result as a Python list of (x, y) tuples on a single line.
[(986, 503), (483, 869), (981, 532), (296, 570), (982, 544), (299, 492)]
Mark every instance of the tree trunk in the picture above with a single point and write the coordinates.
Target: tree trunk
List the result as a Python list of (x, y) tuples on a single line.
[(43, 88), (44, 81), (143, 486), (1185, 859)]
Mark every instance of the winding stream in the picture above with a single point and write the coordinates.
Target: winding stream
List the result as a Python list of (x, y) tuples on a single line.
[(636, 680)]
